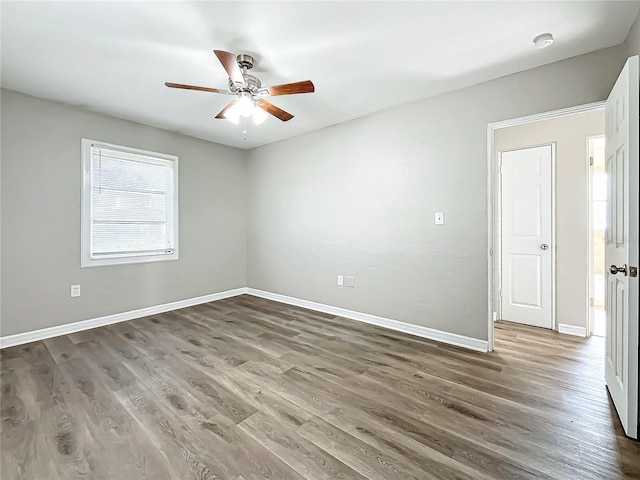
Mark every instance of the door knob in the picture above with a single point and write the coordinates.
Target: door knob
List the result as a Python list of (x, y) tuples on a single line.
[(544, 246), (614, 269)]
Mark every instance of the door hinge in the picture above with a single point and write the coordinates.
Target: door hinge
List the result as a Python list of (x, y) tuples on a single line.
[(500, 293), (591, 302), (591, 161), (501, 168)]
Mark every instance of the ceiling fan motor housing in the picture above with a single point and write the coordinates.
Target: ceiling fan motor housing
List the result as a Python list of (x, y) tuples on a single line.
[(252, 82), (245, 61)]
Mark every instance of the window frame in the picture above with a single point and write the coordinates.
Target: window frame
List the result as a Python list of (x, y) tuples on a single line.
[(86, 209)]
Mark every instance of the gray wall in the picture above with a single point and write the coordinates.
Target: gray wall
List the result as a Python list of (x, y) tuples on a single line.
[(633, 41), (354, 199), (572, 198), (358, 199), (41, 172)]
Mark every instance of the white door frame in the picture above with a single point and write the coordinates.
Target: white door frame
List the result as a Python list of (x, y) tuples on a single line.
[(590, 249), (491, 194), (591, 246), (498, 243)]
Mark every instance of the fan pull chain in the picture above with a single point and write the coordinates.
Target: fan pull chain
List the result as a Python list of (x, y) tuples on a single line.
[(244, 128)]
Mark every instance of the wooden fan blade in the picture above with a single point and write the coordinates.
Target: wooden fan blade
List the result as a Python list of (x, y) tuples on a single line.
[(292, 88), (192, 87), (224, 110), (273, 110), (230, 64)]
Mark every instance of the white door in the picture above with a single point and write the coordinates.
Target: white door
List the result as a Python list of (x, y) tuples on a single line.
[(526, 236), (621, 249)]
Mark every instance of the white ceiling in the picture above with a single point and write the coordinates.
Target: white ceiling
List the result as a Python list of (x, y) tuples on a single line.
[(114, 57)]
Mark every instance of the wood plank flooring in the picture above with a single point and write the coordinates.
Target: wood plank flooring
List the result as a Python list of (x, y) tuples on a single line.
[(247, 388)]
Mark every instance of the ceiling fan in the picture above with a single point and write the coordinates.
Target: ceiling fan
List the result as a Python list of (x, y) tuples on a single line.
[(248, 91)]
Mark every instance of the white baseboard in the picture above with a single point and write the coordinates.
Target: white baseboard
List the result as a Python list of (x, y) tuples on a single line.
[(424, 332), (44, 333), (572, 330), (417, 330)]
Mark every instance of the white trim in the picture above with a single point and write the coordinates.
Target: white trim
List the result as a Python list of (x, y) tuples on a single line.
[(590, 244), (537, 117), (44, 333), (491, 280), (590, 321), (572, 330), (417, 330), (554, 249), (491, 128)]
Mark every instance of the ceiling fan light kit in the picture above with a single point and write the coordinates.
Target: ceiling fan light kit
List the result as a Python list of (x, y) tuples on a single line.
[(249, 92), (245, 104), (232, 114), (259, 115)]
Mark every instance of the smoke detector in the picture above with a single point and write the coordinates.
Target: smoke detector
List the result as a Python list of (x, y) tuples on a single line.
[(543, 40)]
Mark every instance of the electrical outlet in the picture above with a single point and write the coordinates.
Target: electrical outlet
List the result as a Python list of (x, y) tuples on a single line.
[(75, 290), (340, 280), (439, 218), (350, 282)]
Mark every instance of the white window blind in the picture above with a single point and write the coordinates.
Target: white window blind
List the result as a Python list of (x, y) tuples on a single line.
[(132, 198)]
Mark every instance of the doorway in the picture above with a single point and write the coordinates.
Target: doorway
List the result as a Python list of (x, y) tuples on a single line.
[(621, 238), (598, 225), (568, 248)]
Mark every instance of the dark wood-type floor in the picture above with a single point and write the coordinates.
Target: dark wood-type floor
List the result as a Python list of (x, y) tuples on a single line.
[(248, 389)]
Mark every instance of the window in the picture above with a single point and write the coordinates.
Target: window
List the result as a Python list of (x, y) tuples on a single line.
[(129, 205)]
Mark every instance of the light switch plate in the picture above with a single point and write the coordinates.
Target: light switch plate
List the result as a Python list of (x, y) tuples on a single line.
[(349, 282), (75, 290), (439, 218)]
